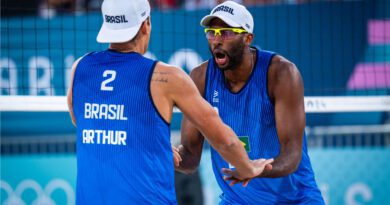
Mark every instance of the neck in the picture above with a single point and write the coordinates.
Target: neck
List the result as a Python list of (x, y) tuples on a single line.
[(127, 47), (244, 70)]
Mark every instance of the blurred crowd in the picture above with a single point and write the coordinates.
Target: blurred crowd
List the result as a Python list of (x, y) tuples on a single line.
[(50, 8)]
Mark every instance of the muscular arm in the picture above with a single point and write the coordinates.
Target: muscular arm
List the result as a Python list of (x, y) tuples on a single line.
[(70, 92), (191, 147), (191, 139), (175, 87), (285, 87)]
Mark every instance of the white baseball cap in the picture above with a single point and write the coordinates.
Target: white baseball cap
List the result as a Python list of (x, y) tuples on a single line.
[(233, 14), (122, 20)]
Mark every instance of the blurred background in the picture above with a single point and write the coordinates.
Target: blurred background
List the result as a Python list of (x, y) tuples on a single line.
[(341, 47)]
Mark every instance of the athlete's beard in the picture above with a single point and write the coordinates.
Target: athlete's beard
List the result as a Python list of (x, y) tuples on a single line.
[(235, 56)]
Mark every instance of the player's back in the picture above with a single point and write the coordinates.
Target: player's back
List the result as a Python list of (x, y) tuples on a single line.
[(123, 145)]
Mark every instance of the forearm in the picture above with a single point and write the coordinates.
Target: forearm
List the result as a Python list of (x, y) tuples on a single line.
[(231, 149), (283, 165), (190, 160)]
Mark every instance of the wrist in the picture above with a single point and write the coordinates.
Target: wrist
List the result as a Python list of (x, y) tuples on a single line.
[(247, 172)]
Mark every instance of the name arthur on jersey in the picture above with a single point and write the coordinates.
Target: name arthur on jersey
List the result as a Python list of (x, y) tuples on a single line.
[(104, 112)]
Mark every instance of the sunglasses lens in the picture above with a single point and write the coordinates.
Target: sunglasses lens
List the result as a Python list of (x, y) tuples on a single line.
[(210, 34), (227, 34)]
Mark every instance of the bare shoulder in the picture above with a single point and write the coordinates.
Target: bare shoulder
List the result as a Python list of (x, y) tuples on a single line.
[(170, 79), (281, 68), (198, 75), (283, 74), (165, 73)]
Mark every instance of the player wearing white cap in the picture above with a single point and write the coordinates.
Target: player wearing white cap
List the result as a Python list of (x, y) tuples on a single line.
[(259, 94)]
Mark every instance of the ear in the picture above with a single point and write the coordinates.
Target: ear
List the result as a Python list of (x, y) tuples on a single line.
[(145, 26), (248, 39)]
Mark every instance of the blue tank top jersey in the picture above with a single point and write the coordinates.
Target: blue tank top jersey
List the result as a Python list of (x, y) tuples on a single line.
[(124, 154), (251, 115)]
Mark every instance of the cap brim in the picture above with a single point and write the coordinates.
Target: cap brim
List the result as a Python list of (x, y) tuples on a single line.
[(207, 19), (107, 35)]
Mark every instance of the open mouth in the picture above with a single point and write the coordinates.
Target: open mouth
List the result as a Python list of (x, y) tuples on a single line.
[(220, 57)]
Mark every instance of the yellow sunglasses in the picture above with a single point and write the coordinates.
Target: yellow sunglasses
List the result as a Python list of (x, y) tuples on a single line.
[(225, 33)]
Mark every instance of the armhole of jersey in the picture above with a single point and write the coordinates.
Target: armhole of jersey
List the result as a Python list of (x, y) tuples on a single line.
[(266, 79), (74, 77), (150, 92), (206, 81)]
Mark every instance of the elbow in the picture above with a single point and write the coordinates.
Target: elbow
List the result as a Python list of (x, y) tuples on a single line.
[(227, 144), (285, 164), (293, 168), (295, 162)]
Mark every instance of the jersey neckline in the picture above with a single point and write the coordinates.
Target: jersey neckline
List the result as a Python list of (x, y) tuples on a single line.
[(121, 53), (250, 76)]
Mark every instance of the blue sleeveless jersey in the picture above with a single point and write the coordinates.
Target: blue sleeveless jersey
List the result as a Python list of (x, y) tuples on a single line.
[(124, 154), (252, 116)]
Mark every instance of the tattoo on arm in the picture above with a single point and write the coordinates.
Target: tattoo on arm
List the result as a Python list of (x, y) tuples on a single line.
[(160, 77), (161, 80), (161, 73)]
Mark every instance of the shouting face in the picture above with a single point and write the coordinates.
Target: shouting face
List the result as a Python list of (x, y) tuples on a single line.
[(226, 46)]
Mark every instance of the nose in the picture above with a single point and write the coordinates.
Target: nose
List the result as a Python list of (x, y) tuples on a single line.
[(218, 37), (216, 42)]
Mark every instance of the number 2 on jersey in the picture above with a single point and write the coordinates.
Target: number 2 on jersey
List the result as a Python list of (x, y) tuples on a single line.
[(111, 74)]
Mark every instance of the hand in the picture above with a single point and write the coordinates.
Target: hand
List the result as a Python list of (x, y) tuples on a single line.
[(176, 156), (259, 166)]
